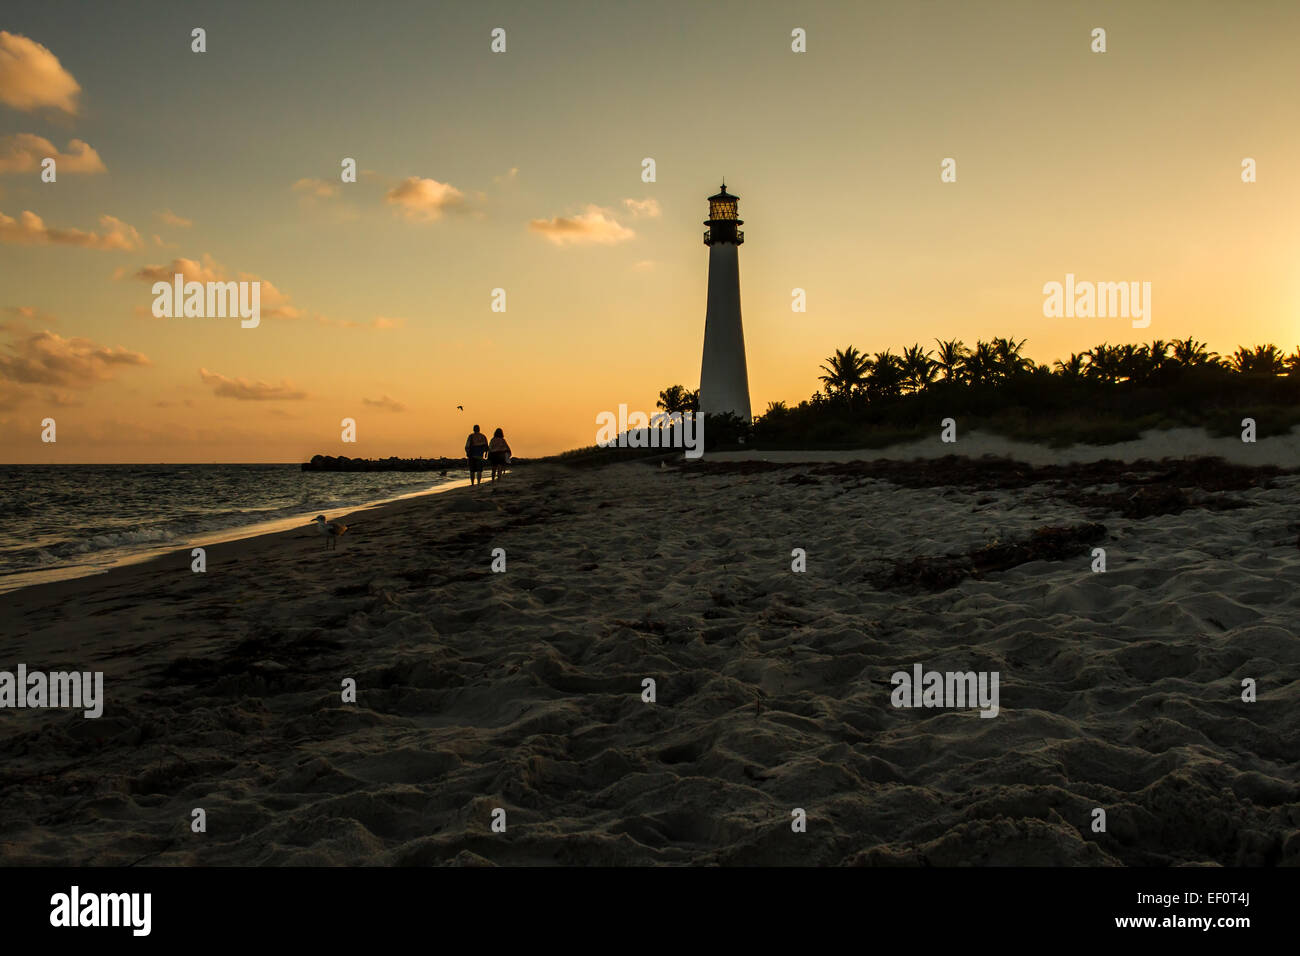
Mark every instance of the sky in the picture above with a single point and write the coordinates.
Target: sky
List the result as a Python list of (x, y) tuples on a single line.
[(522, 171)]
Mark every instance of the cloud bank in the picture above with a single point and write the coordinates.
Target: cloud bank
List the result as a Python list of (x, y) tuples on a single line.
[(30, 229)]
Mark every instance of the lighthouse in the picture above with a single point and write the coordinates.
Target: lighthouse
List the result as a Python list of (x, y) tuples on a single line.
[(724, 378)]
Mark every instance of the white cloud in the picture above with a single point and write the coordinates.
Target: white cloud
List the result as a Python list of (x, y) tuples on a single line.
[(250, 391), (386, 402), (425, 199), (643, 207), (30, 229), (46, 358), (172, 219), (31, 77), (23, 153), (596, 225)]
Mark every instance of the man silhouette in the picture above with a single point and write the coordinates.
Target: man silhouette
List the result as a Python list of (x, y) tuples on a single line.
[(476, 446)]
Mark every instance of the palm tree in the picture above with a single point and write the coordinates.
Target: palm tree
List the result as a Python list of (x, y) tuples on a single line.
[(1071, 368), (677, 398), (1103, 363), (1191, 352), (846, 372), (1263, 360), (1133, 362), (1009, 360), (1293, 363), (951, 356), (1159, 353), (980, 365), (886, 377), (919, 369)]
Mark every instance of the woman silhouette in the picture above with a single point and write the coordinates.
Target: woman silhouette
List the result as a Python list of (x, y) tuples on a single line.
[(498, 454)]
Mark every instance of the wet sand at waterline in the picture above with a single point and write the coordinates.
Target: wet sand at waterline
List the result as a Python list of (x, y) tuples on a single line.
[(523, 690)]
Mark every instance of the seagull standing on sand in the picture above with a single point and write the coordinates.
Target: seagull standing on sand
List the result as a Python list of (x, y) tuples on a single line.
[(332, 530)]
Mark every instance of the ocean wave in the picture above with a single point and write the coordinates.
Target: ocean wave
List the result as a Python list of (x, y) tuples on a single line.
[(119, 539), (82, 514)]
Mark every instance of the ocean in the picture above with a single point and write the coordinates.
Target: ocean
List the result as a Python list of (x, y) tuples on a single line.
[(64, 521)]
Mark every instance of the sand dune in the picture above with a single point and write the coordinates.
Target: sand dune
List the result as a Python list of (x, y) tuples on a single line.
[(522, 690)]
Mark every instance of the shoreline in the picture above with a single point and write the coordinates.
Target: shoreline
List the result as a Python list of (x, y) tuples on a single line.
[(24, 580), (1156, 445)]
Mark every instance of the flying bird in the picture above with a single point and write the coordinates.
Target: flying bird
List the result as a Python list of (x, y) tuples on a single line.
[(461, 407), (332, 530)]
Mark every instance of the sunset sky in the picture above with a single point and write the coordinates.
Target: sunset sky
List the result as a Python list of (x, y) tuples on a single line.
[(522, 171)]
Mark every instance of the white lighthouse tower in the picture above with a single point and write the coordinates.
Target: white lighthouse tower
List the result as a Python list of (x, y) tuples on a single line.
[(724, 378)]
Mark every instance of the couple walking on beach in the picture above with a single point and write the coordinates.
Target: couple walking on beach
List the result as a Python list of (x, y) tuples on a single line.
[(497, 452)]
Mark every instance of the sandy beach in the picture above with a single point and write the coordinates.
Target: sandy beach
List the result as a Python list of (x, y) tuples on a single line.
[(523, 690)]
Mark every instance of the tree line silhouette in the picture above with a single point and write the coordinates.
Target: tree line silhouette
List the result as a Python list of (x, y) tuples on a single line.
[(1107, 393), (849, 373)]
